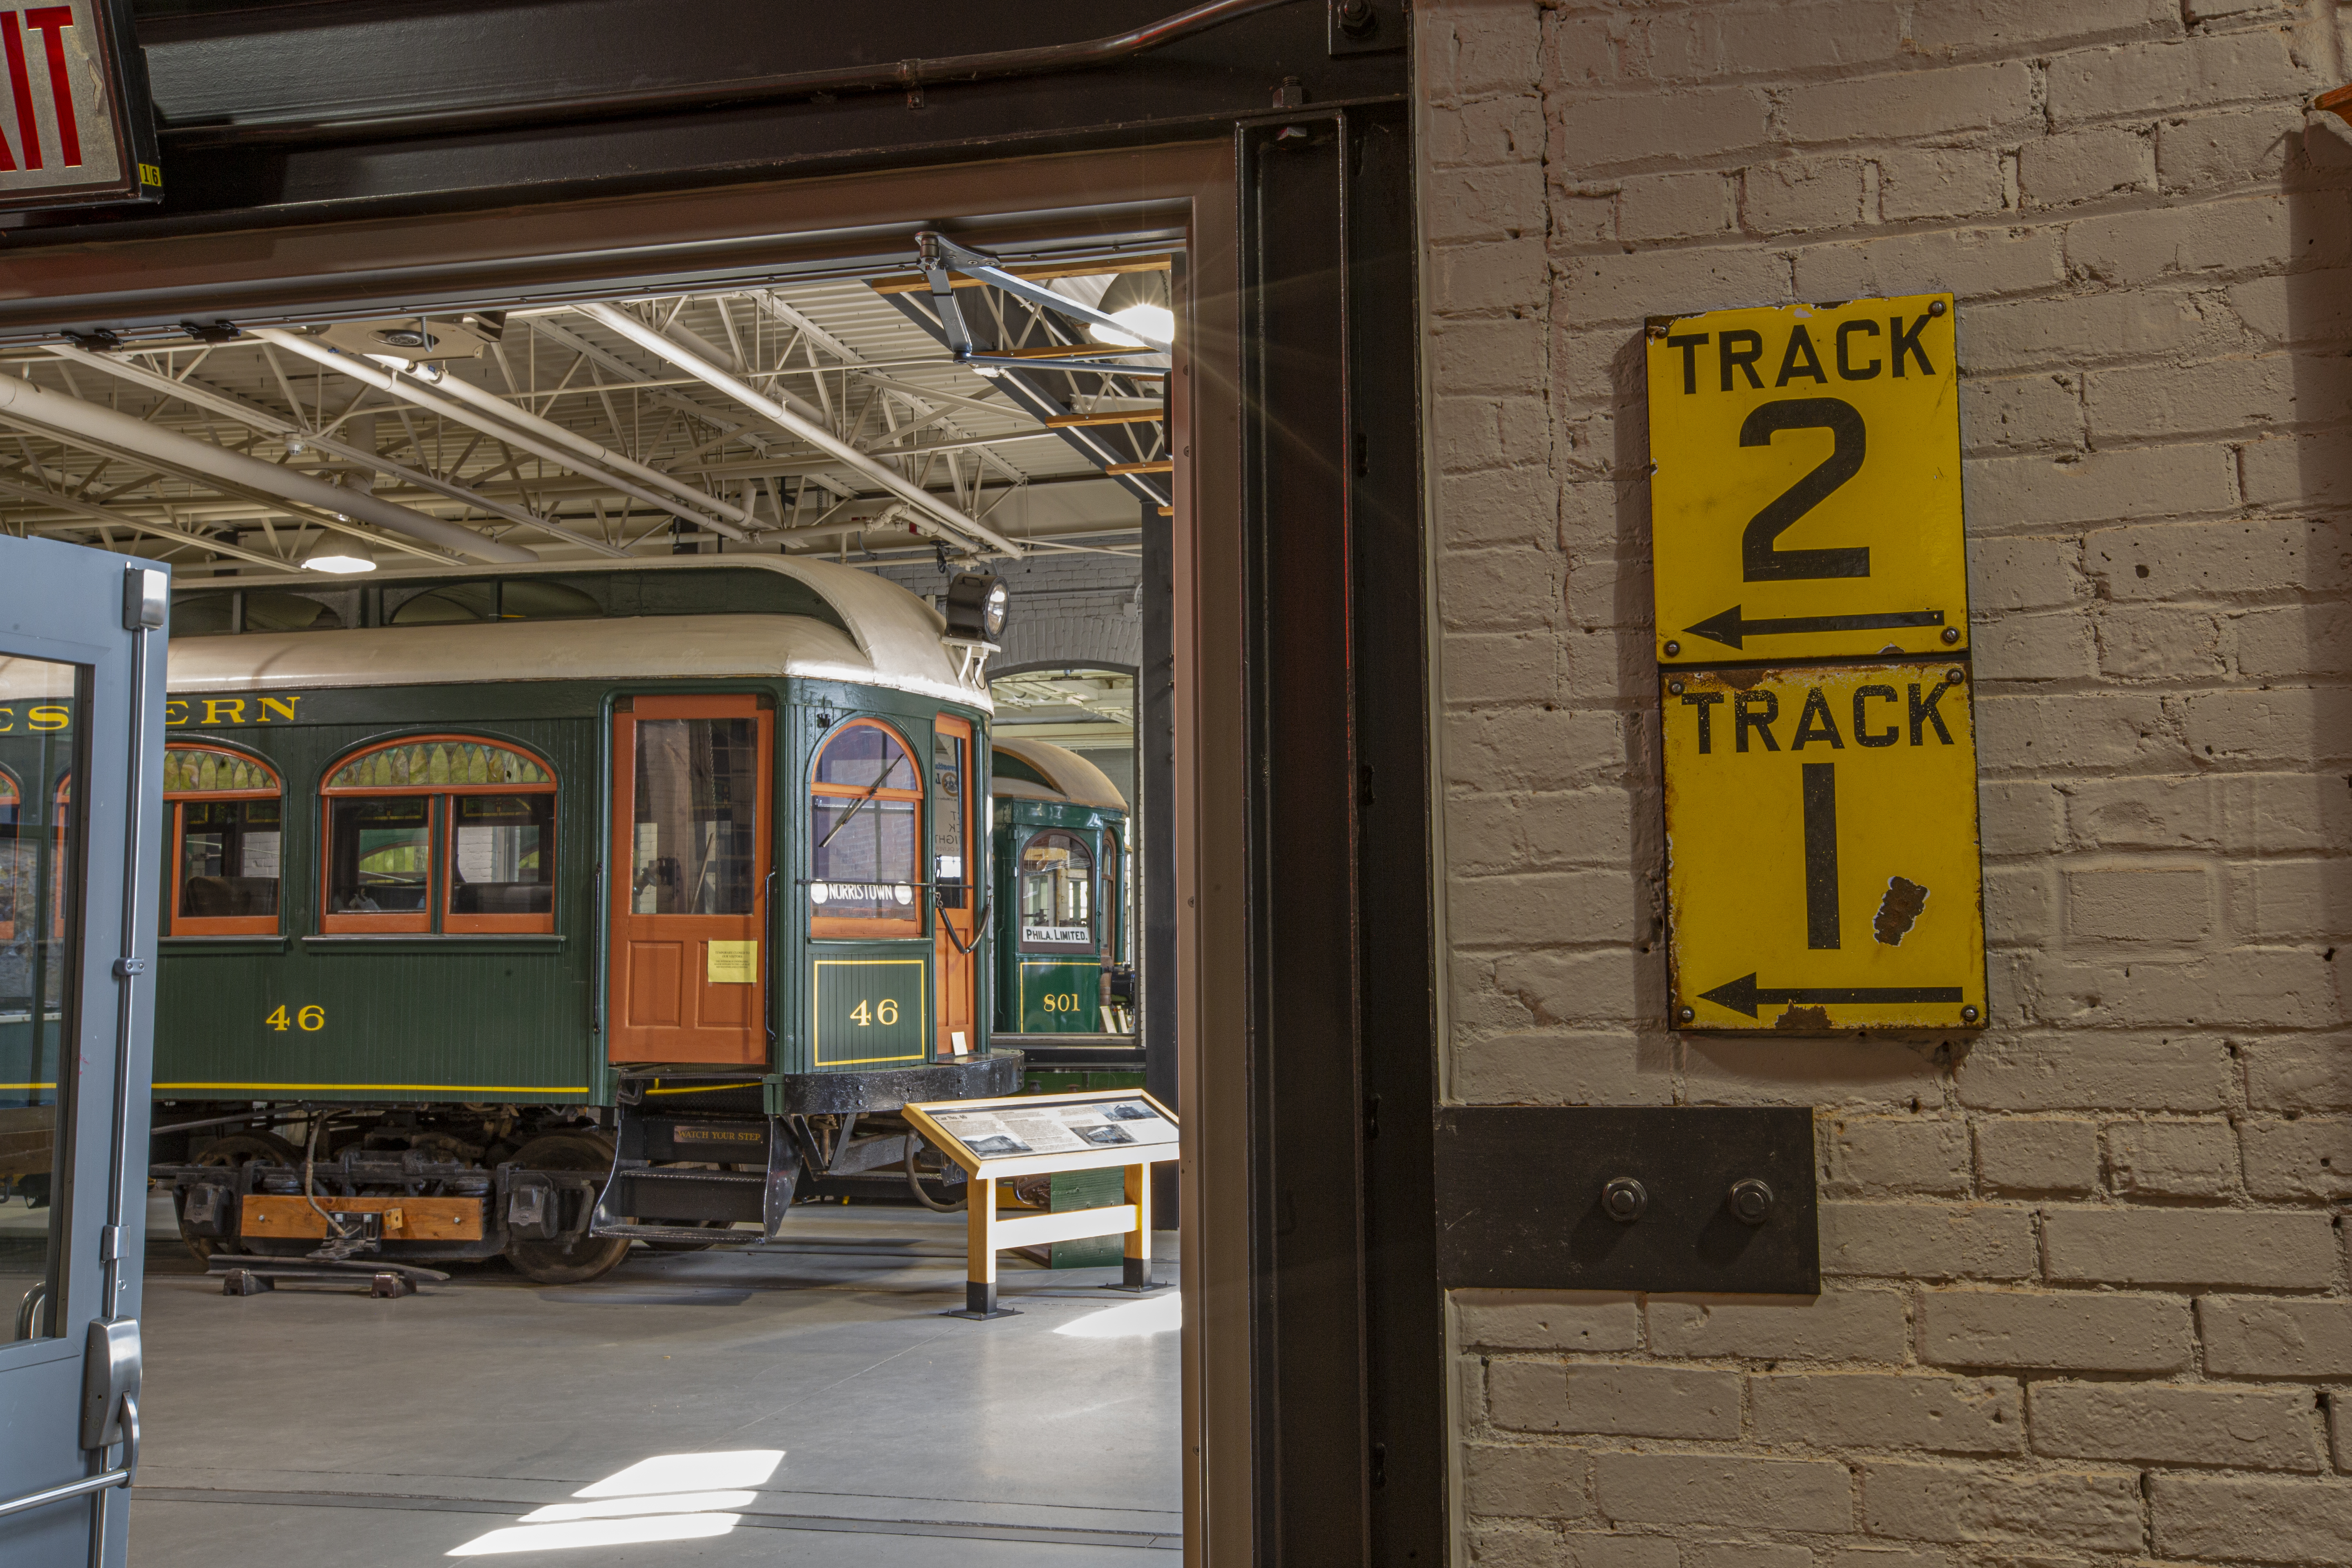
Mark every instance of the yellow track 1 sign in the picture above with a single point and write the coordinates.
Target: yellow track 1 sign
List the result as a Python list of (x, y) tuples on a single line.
[(1821, 866), (1805, 501)]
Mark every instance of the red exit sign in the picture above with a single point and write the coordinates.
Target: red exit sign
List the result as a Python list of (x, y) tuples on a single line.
[(75, 126)]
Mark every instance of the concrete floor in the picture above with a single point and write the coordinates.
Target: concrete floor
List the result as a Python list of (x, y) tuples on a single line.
[(326, 1429)]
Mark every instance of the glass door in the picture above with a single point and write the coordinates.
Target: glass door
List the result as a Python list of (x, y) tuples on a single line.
[(81, 697), (690, 885)]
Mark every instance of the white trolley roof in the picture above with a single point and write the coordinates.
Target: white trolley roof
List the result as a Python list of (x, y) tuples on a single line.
[(1076, 779), (893, 640)]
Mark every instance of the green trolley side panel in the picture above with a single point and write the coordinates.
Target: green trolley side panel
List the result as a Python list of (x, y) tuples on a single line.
[(869, 1008), (1059, 995)]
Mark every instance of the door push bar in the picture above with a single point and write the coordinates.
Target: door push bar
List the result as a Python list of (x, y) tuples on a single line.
[(109, 1413)]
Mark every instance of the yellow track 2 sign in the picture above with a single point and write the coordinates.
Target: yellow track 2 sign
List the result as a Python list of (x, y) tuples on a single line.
[(1805, 501), (1822, 866)]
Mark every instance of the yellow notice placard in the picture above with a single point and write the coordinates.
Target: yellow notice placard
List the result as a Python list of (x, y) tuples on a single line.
[(1822, 866), (1806, 498), (731, 963)]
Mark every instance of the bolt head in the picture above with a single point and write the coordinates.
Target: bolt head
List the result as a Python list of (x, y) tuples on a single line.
[(1750, 1201), (1688, 1014), (1673, 648), (1969, 1014), (1623, 1200), (1951, 634), (1674, 687), (1935, 307), (1956, 674)]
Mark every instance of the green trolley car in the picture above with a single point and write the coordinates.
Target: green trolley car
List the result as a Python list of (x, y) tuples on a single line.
[(1060, 832), (534, 911)]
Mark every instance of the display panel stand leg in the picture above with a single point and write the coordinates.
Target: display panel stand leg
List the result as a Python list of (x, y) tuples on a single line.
[(1135, 1268), (980, 1254)]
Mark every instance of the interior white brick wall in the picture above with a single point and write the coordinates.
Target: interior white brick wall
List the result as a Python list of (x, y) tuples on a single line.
[(2087, 1298)]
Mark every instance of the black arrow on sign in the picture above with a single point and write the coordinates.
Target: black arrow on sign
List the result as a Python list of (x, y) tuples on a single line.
[(1728, 629), (1742, 995)]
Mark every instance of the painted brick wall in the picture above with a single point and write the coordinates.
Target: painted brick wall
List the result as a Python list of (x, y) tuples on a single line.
[(1069, 608), (2088, 1299)]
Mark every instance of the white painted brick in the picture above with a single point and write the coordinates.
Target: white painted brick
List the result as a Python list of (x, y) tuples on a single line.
[(2011, 573), (1543, 1483), (2249, 1518), (2264, 1336), (1479, 49), (1491, 432), (1505, 667), (2161, 642), (2085, 1332), (1938, 182), (2217, 560), (2277, 813), (1513, 1544), (1578, 1320), (1836, 1325), (2296, 306), (1494, 590), (1564, 1067), (1628, 287), (1597, 131), (2173, 1159), (1725, 1489), (2277, 901), (1741, 39), (1497, 275), (2169, 1424), (1928, 1413), (2019, 901), (1808, 1072), (1501, 202), (1675, 206), (2181, 1071), (1593, 906), (2298, 642), (1508, 129), (2310, 1157), (2280, 724), (2025, 1156), (2021, 492), (1975, 263), (2189, 1246), (1498, 506), (1874, 1155), (2218, 239), (1925, 103), (2144, 814), (2165, 77), (2251, 147), (1886, 1557), (2085, 166), (1613, 1399), (1928, 1241), (2020, 817), (2140, 903), (1746, 1554), (1800, 195), (1556, 988), (2020, 413), (1580, 51), (2105, 730), (1583, 1551), (2261, 988), (2135, 325), (1952, 26), (2087, 1511)]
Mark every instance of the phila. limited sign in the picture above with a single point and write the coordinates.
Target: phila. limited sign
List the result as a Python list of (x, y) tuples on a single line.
[(75, 128)]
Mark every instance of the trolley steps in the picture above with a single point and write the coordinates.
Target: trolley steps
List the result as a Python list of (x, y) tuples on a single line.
[(688, 1176)]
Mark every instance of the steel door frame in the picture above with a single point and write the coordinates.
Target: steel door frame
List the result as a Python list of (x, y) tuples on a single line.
[(72, 604)]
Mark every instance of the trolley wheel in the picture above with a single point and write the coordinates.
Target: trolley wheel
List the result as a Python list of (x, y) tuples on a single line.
[(584, 1257), (233, 1151)]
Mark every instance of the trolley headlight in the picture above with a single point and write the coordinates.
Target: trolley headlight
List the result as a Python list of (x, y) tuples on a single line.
[(976, 606)]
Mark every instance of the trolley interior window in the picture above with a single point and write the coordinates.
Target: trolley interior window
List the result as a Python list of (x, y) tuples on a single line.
[(224, 810), (444, 833), (1058, 893), (864, 811)]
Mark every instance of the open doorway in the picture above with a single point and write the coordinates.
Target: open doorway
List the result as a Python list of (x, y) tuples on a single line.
[(1309, 1368)]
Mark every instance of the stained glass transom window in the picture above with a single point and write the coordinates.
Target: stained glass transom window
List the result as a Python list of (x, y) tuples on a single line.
[(191, 769), (439, 765)]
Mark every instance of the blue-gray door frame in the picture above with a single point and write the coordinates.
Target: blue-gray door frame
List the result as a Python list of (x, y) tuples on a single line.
[(69, 604)]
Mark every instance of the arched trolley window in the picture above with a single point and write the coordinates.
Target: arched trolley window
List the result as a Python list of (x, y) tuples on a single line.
[(444, 833), (224, 813), (865, 807), (1057, 885)]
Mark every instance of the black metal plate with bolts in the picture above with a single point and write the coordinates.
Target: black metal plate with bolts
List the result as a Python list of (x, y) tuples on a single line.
[(1608, 1198)]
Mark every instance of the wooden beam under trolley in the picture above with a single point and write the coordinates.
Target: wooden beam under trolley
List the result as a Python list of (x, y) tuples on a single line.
[(1164, 466)]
